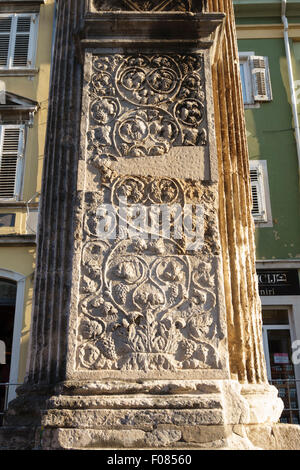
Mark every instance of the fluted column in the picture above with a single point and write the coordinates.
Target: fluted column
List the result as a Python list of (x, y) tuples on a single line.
[(236, 223), (56, 225)]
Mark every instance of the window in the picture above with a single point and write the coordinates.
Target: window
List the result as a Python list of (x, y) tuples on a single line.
[(255, 78), (11, 160), (261, 209), (18, 40), (16, 116)]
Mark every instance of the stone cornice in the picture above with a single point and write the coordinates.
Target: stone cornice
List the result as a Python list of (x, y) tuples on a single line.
[(129, 29)]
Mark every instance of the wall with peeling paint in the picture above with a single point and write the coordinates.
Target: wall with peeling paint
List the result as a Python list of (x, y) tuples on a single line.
[(271, 138)]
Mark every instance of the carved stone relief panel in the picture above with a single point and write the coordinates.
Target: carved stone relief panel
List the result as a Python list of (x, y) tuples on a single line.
[(148, 5), (146, 303), (143, 105)]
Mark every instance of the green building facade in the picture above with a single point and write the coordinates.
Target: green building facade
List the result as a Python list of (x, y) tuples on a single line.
[(269, 47)]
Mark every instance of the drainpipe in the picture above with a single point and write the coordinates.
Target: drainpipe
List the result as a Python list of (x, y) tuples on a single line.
[(291, 78)]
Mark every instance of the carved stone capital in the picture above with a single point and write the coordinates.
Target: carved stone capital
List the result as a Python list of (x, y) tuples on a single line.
[(147, 5)]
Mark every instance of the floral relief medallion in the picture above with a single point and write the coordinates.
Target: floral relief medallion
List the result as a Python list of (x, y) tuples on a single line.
[(143, 105)]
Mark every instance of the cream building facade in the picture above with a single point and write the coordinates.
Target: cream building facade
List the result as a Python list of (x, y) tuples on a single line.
[(26, 31)]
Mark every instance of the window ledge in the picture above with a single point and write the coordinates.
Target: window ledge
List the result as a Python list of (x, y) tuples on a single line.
[(24, 72), (25, 2), (263, 223), (17, 204), (17, 240), (251, 105)]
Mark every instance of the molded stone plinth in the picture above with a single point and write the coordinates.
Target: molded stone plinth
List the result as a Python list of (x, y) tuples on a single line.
[(213, 437), (207, 414)]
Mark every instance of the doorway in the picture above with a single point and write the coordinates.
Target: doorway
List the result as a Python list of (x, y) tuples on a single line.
[(280, 367), (8, 290)]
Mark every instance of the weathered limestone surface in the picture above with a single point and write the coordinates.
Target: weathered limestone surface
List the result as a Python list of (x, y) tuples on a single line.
[(149, 341)]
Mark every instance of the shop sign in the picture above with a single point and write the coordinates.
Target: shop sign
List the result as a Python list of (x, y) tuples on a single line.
[(281, 282)]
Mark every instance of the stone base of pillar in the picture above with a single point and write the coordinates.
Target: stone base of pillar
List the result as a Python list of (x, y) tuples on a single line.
[(238, 437), (150, 415)]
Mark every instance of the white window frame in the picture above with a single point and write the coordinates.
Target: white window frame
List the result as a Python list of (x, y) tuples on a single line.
[(264, 218), (247, 88), (31, 57), (20, 161), (250, 93), (291, 303), (267, 328)]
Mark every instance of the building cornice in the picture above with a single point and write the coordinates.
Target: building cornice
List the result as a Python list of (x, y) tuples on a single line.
[(266, 31), (20, 6), (21, 2), (278, 264), (264, 9)]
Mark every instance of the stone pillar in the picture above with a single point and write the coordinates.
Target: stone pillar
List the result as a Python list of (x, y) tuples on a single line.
[(145, 334), (236, 223)]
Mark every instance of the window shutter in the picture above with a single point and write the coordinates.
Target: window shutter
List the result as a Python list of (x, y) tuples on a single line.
[(22, 41), (260, 75), (11, 161), (5, 32), (258, 194), (17, 40)]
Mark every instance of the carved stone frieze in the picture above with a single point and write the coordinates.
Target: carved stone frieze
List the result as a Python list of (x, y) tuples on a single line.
[(144, 308), (142, 105), (145, 303), (148, 5)]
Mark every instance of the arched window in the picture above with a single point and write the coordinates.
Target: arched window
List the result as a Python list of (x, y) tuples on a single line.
[(8, 292)]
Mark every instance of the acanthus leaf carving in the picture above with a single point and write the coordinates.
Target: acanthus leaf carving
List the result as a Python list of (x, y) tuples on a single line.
[(148, 5), (156, 310)]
